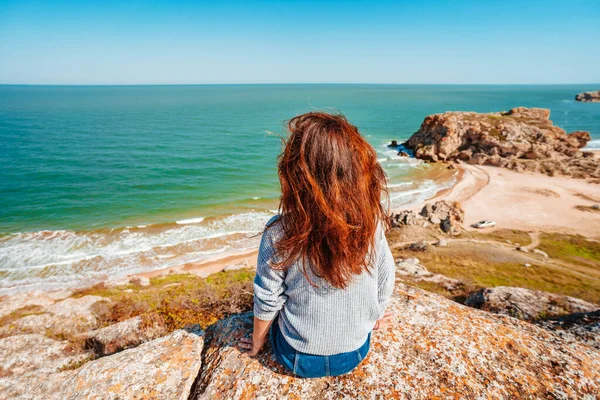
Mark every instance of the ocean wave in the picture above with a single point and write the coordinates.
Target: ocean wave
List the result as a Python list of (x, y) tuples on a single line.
[(51, 259), (190, 221)]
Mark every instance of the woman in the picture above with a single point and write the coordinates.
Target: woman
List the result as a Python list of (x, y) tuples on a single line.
[(325, 272)]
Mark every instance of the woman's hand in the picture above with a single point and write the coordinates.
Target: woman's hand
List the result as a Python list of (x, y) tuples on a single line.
[(253, 346), (250, 347), (385, 321)]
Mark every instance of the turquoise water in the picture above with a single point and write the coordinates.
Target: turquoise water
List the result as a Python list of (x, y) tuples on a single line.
[(94, 178)]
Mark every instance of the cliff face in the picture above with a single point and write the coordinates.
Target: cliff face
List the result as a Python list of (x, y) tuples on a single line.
[(523, 139), (437, 348)]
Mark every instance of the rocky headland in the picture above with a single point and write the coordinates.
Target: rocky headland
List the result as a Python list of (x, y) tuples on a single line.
[(588, 96), (522, 139)]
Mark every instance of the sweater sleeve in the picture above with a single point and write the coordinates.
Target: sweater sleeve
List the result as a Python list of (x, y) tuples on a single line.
[(386, 273), (269, 285)]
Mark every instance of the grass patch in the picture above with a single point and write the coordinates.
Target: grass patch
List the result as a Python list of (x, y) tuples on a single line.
[(571, 248), (177, 301), (500, 235), (488, 265)]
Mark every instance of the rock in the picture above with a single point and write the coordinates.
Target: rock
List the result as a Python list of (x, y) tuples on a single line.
[(140, 280), (415, 270), (449, 216), (419, 246), (577, 327), (541, 253), (527, 265), (449, 284), (406, 218), (35, 298), (162, 369), (403, 154), (435, 349), (125, 334), (413, 260), (441, 243), (588, 96), (65, 317), (522, 139), (522, 249), (22, 354), (394, 143), (124, 281), (596, 206), (526, 304)]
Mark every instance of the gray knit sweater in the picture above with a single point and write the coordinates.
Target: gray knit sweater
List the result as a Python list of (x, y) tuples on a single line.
[(322, 320)]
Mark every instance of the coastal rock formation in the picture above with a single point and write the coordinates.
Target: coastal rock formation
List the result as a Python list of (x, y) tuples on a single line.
[(527, 304), (438, 348), (445, 215), (589, 96), (523, 139)]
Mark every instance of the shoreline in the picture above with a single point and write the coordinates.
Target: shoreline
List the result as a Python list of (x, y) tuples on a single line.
[(484, 192)]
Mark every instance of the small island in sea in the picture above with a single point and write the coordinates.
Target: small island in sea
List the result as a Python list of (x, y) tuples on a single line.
[(589, 96), (504, 305)]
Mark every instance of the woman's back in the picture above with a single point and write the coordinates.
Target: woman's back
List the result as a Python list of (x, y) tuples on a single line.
[(322, 319)]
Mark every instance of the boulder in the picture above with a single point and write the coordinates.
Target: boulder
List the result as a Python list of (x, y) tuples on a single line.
[(527, 304), (442, 214), (125, 334), (576, 327), (435, 349), (588, 96), (165, 368), (411, 269), (523, 139)]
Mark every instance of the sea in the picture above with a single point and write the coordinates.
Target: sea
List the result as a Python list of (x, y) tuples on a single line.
[(97, 182)]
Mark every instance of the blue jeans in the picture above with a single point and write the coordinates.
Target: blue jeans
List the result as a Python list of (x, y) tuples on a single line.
[(311, 365)]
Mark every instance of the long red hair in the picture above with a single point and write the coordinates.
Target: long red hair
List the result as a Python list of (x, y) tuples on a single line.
[(331, 198)]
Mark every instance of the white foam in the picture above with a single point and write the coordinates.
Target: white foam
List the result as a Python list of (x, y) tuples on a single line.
[(49, 259), (399, 184), (593, 144), (190, 221)]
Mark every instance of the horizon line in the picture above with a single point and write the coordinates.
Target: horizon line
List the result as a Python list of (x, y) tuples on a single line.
[(296, 83)]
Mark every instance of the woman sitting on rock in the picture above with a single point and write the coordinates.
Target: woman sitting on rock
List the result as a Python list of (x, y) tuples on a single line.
[(325, 272)]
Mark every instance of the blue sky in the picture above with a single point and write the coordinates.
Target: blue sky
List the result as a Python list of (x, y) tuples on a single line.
[(161, 42)]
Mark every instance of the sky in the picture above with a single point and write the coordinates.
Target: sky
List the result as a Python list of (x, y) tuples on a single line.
[(198, 42)]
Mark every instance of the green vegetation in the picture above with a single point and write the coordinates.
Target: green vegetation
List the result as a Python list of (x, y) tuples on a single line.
[(176, 301), (500, 235), (573, 268), (574, 249)]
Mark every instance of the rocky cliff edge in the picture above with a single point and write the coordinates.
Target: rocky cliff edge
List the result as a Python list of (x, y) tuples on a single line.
[(437, 349)]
